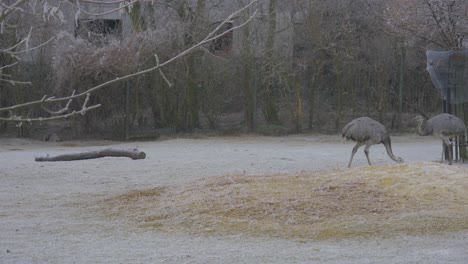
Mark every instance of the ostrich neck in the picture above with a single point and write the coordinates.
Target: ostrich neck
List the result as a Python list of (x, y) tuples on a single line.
[(388, 146), (424, 129)]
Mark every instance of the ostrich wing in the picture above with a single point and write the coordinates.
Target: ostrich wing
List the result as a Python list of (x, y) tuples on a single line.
[(363, 129), (447, 125)]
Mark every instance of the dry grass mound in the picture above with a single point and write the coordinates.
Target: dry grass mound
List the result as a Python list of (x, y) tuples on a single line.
[(417, 198)]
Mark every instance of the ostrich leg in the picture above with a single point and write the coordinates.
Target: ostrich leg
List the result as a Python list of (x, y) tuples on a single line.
[(366, 151), (443, 153), (358, 145), (447, 148)]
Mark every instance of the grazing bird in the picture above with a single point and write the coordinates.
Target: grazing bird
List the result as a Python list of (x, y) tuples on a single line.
[(443, 126), (366, 131)]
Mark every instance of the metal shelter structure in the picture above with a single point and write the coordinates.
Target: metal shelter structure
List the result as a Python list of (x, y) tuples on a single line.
[(449, 74)]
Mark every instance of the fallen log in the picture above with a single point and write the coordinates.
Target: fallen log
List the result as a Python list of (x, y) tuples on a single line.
[(109, 152)]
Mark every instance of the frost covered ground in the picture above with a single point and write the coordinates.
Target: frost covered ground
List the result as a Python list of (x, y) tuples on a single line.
[(49, 212)]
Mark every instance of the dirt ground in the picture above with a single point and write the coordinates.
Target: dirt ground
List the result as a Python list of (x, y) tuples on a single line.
[(49, 211)]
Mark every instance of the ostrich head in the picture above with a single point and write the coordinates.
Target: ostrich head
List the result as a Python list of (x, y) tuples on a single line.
[(423, 128), (418, 120)]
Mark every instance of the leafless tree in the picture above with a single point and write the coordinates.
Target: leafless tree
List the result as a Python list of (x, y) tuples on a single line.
[(440, 24), (10, 11), (339, 59)]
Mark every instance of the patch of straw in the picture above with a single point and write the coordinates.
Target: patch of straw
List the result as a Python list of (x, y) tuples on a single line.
[(415, 198)]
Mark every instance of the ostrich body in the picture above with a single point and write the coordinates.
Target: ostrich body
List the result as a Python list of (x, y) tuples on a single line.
[(443, 126), (366, 131)]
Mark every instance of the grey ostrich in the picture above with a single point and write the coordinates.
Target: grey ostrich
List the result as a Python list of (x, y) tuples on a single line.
[(366, 131), (443, 126)]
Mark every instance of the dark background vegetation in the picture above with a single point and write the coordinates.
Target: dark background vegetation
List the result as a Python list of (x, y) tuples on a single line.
[(331, 61)]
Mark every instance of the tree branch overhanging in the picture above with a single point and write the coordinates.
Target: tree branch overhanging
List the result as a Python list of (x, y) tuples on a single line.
[(10, 9), (60, 114)]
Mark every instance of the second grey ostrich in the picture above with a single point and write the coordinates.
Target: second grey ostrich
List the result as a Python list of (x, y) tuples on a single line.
[(443, 126), (367, 131)]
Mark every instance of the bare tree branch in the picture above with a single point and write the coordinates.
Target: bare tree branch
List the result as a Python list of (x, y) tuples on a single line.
[(59, 114), (7, 66), (10, 9), (103, 2), (13, 82), (161, 72), (124, 5), (19, 119), (210, 37), (108, 152), (438, 21), (31, 49), (8, 50), (61, 111)]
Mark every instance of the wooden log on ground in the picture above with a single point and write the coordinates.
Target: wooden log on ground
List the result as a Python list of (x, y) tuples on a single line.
[(109, 152)]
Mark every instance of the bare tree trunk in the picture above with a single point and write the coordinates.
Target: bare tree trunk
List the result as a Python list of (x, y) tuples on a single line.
[(311, 84), (381, 83), (370, 72), (339, 98), (298, 108), (134, 12), (401, 86), (193, 60), (269, 108), (109, 152), (250, 88), (191, 93), (127, 111)]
